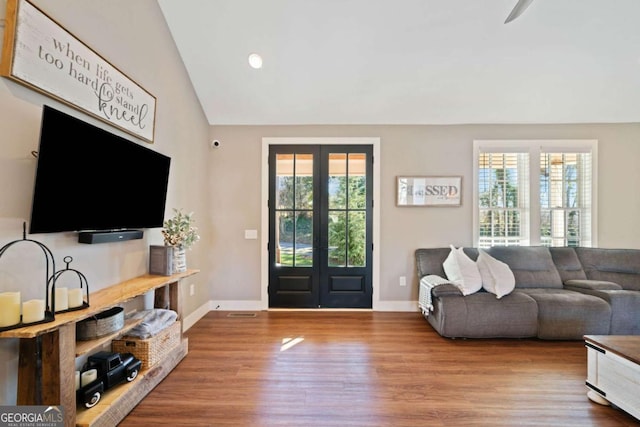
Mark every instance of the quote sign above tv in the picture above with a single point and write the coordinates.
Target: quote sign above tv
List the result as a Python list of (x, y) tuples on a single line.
[(42, 55)]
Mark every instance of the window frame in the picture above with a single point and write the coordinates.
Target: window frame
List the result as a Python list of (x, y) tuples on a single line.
[(534, 148)]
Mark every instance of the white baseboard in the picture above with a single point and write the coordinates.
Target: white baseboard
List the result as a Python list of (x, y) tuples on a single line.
[(396, 306), (195, 315), (247, 305), (230, 305)]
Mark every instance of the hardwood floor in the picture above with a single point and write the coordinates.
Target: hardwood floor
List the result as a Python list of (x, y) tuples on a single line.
[(333, 368)]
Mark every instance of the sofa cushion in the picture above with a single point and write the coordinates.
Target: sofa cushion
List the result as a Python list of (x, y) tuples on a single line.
[(532, 266), (429, 260), (569, 315), (578, 284), (625, 308), (497, 277), (567, 263), (448, 289), (482, 315), (462, 271), (621, 266)]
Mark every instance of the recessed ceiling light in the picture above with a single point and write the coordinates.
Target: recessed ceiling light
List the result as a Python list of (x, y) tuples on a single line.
[(255, 61)]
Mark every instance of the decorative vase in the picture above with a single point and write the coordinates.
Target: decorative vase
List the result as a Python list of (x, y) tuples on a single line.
[(179, 259)]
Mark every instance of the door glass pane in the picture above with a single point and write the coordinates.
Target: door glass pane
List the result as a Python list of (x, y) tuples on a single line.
[(304, 192), (356, 239), (284, 238), (294, 181), (337, 180), (304, 181), (294, 210), (347, 209), (337, 239), (304, 239), (284, 181), (357, 177)]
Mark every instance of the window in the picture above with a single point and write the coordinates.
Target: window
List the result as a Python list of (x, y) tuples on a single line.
[(503, 199), (565, 199), (534, 193)]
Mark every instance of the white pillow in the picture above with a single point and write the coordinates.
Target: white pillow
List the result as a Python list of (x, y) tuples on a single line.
[(462, 271), (497, 277)]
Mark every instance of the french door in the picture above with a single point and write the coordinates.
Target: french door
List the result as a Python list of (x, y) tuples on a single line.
[(320, 226)]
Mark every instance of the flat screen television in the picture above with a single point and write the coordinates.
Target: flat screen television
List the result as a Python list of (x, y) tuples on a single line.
[(89, 179)]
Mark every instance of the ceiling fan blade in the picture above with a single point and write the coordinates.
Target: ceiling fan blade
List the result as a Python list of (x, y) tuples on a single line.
[(520, 7)]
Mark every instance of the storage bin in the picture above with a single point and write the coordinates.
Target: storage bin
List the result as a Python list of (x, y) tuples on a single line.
[(104, 323), (151, 350)]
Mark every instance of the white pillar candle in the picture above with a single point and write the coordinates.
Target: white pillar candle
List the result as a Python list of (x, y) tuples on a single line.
[(88, 376), (77, 380), (9, 308), (62, 299), (33, 311), (74, 297)]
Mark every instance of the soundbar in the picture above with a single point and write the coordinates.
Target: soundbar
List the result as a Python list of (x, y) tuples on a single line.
[(92, 237)]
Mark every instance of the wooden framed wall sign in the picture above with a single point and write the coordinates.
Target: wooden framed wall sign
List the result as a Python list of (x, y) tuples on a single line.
[(429, 190), (42, 55)]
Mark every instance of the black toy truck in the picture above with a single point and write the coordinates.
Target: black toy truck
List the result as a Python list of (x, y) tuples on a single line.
[(112, 368)]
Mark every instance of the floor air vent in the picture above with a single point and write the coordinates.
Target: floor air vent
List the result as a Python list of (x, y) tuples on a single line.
[(241, 315)]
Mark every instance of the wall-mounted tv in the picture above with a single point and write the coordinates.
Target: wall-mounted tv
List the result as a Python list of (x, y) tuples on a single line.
[(91, 180)]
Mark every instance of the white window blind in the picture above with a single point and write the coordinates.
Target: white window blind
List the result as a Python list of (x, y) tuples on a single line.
[(503, 195), (565, 199), (535, 193)]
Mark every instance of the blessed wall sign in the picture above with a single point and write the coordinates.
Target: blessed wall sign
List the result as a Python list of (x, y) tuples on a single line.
[(429, 190), (42, 55)]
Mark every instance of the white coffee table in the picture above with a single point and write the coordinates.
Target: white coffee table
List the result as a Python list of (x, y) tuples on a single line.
[(613, 371)]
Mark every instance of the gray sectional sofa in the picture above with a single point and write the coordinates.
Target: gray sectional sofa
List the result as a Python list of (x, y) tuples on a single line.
[(560, 294)]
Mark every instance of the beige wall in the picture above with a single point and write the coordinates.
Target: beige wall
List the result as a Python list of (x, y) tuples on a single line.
[(222, 186), (133, 36), (420, 150)]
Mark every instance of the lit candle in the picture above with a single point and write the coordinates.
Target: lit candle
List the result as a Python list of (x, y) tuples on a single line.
[(62, 299), (74, 297), (9, 308), (88, 377), (33, 311), (77, 380)]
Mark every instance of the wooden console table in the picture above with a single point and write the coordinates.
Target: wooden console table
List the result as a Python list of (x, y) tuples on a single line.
[(613, 371), (51, 349)]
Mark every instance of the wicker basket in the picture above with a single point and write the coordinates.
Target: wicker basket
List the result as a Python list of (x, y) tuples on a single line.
[(101, 324), (151, 350)]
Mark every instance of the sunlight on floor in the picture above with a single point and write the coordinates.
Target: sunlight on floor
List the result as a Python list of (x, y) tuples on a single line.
[(287, 343)]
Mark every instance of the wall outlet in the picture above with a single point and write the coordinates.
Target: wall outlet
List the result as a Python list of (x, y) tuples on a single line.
[(403, 281), (192, 289)]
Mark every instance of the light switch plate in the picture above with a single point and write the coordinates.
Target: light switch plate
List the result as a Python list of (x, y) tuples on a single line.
[(251, 234)]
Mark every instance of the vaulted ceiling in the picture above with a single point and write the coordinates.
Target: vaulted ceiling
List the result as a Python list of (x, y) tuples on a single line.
[(411, 61)]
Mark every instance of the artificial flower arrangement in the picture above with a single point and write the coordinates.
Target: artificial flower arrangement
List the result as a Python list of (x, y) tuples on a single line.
[(179, 231)]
